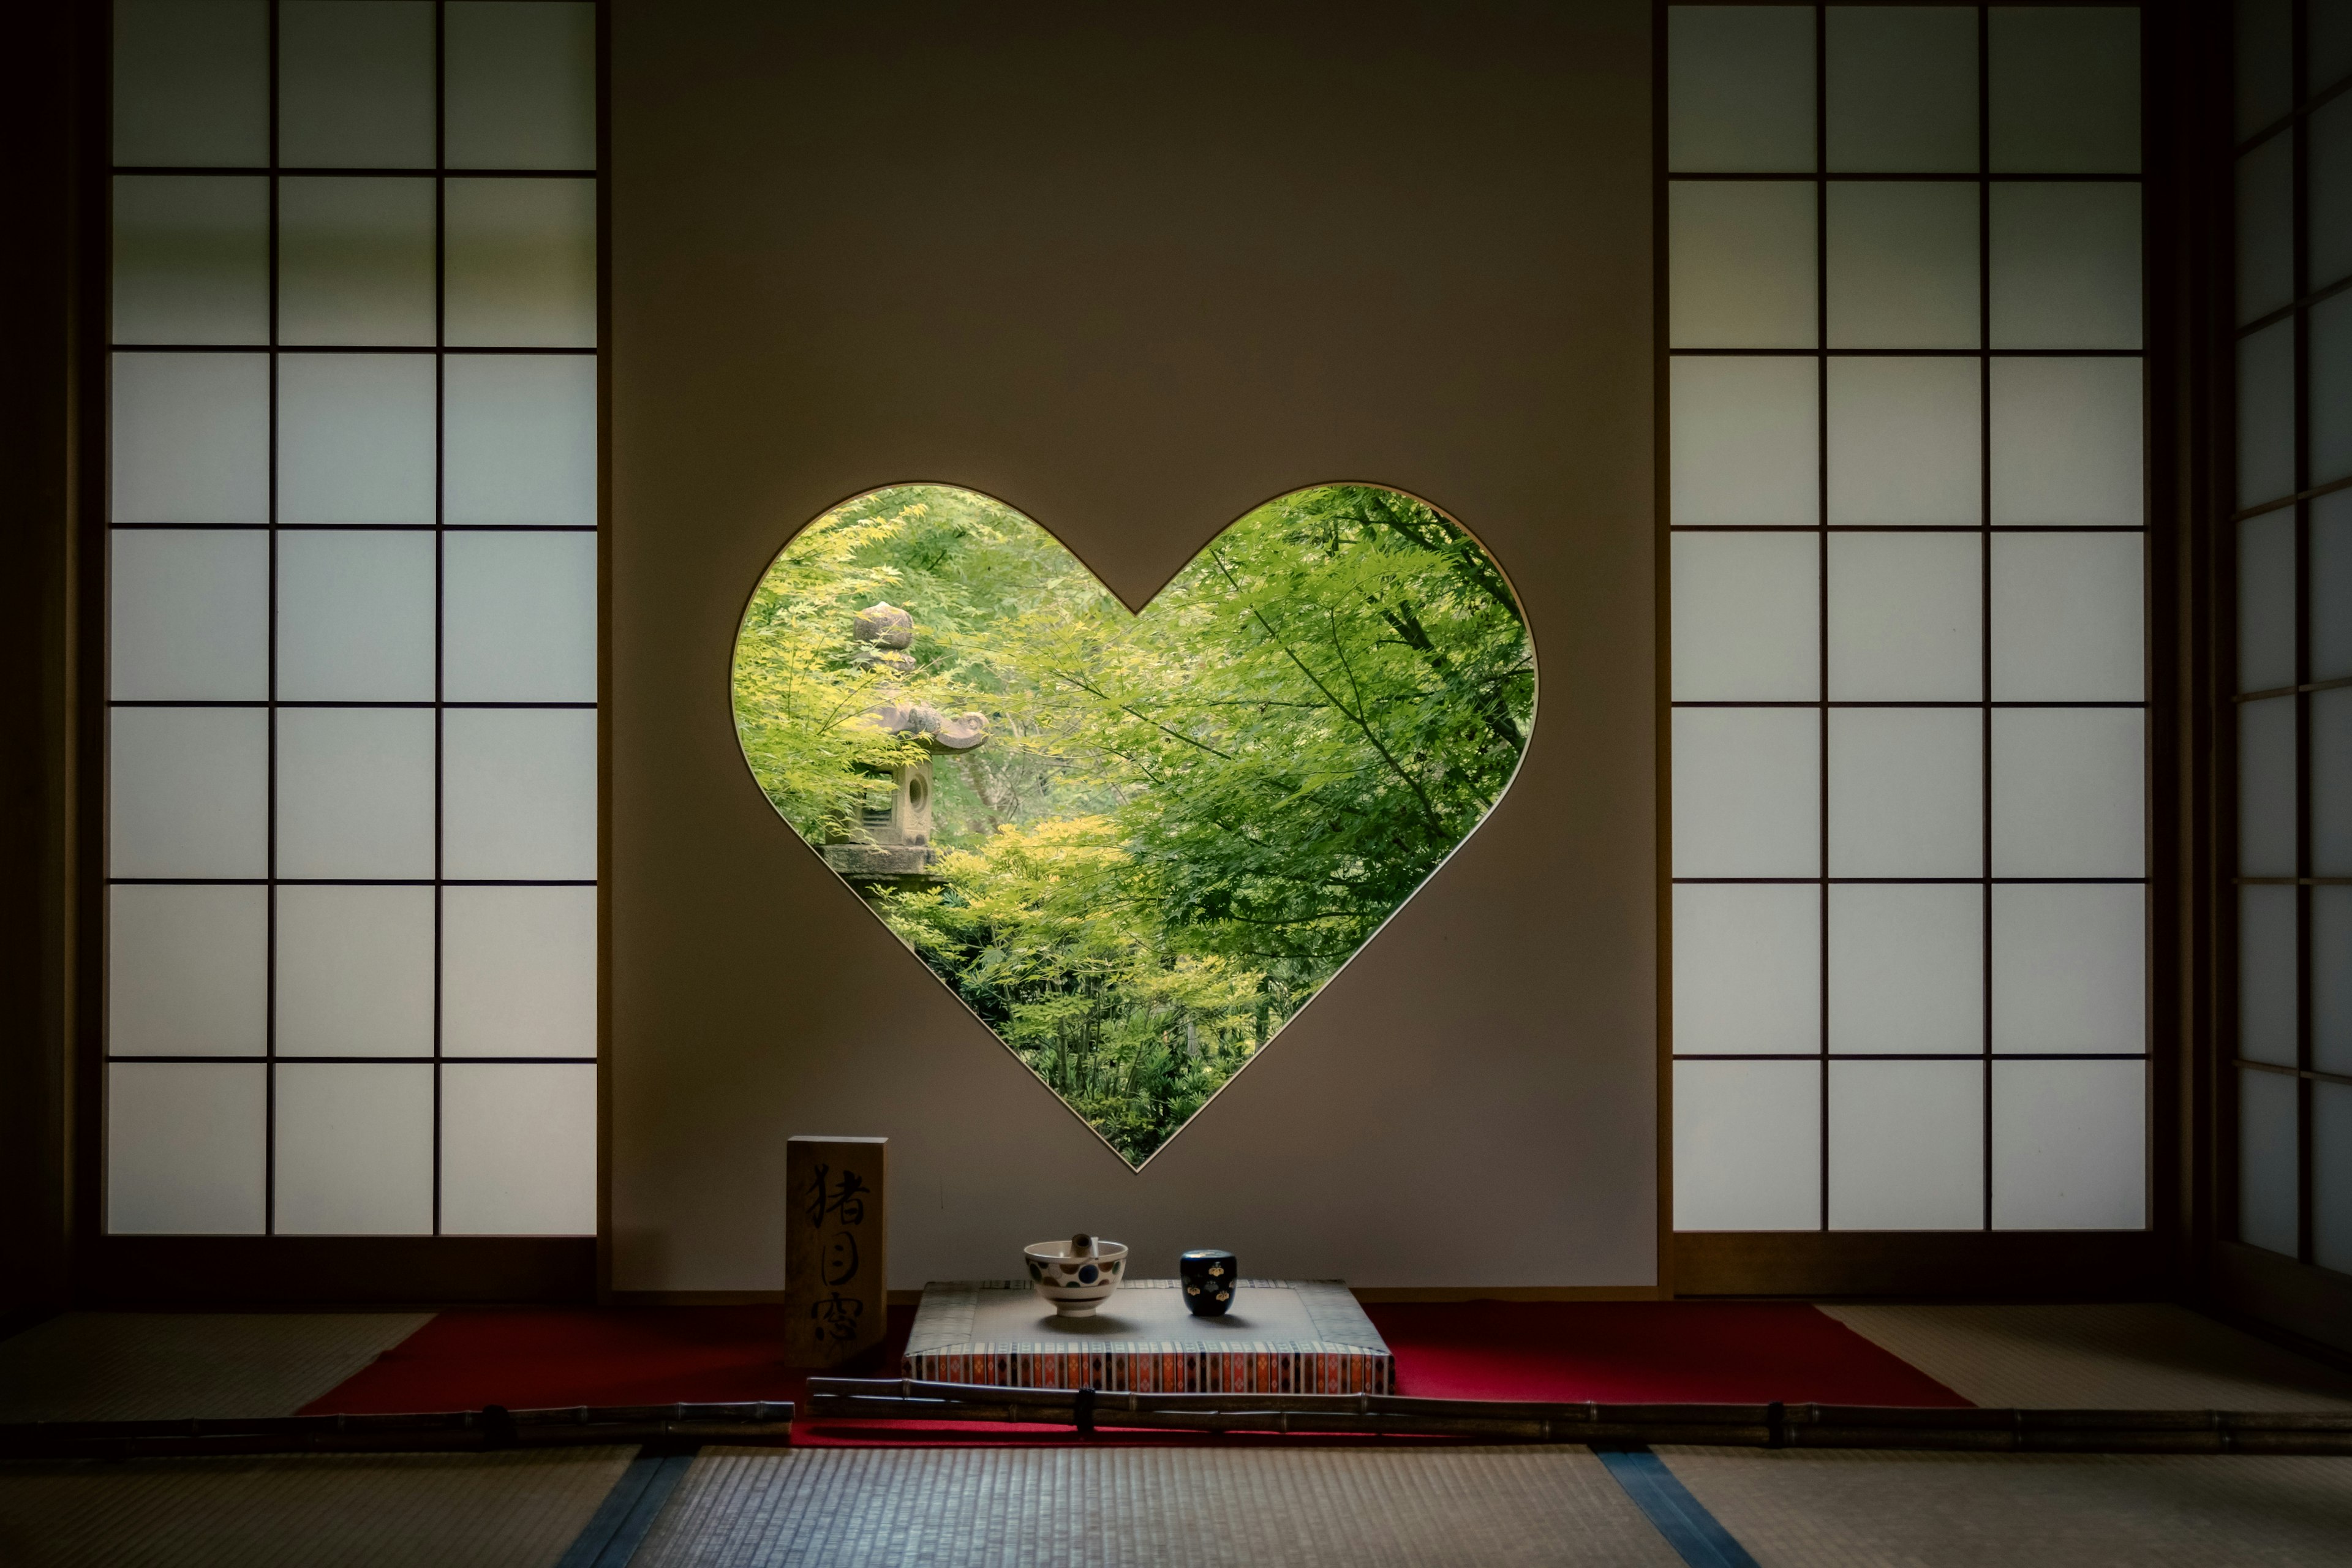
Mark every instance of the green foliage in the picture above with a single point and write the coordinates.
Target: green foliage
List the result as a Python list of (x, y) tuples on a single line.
[(1182, 822)]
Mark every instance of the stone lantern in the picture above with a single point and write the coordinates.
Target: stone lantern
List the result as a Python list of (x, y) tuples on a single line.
[(891, 844)]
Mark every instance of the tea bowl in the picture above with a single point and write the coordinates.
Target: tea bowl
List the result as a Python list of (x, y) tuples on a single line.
[(1076, 1276)]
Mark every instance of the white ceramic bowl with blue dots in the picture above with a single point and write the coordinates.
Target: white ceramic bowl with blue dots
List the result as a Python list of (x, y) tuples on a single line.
[(1076, 1276)]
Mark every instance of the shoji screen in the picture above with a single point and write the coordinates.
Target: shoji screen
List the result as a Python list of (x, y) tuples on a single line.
[(1907, 677), (351, 825), (2294, 630)]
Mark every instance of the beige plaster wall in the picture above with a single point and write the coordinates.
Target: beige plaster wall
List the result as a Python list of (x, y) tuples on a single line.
[(1135, 269)]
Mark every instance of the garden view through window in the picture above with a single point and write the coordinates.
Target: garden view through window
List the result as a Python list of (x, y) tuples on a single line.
[(1134, 845)]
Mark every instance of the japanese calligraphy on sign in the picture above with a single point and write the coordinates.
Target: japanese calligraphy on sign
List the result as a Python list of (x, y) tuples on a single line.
[(835, 1294), (845, 1200)]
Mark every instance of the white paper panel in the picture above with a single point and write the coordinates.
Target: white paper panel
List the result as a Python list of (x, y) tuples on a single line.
[(190, 616), (1902, 88), (2069, 1145), (522, 263), (186, 971), (355, 84), (2266, 788), (1906, 968), (2266, 225), (521, 85), (1902, 263), (354, 791), (2267, 415), (1747, 967), (356, 438), (355, 260), (1739, 87), (355, 617), (1740, 259), (2331, 979), (2330, 588), (2070, 967), (2064, 90), (2262, 56), (518, 972), (2065, 266), (519, 618), (2331, 1176), (1902, 441), (1906, 1146), (2267, 1208), (354, 972), (2267, 987), (354, 1149), (191, 259), (2328, 413), (191, 438), (518, 794), (1746, 617), (1905, 617), (188, 791), (2066, 618), (1745, 440), (185, 1148), (2267, 601), (2069, 792), (191, 82), (1906, 792), (522, 438), (2329, 245), (1748, 1153), (1745, 792), (518, 1151), (2066, 441), (2331, 782)]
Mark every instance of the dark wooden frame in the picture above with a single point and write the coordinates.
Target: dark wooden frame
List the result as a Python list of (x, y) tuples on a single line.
[(47, 118), (2295, 1301), (1995, 1265), (1670, 1273), (2198, 258)]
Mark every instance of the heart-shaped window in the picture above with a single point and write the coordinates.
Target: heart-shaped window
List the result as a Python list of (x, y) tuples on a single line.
[(1134, 845)]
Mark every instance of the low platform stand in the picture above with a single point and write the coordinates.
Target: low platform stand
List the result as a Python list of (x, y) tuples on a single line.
[(1283, 1336)]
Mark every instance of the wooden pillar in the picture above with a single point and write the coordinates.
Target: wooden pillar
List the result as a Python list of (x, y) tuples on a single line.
[(837, 1298)]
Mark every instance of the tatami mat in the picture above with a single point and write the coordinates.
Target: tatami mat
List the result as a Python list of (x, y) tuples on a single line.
[(128, 1366), (391, 1511), (1855, 1509), (2125, 1357), (952, 1508)]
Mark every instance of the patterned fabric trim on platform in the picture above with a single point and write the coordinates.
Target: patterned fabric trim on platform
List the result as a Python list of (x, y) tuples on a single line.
[(1346, 1355)]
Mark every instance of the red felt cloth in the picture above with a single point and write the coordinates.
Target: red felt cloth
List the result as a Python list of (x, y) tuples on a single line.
[(1612, 1351), (1644, 1353)]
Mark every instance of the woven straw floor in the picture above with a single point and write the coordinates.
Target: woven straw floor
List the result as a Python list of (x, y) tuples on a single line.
[(2127, 1357), (2025, 1510), (396, 1510), (134, 1366), (1304, 1508)]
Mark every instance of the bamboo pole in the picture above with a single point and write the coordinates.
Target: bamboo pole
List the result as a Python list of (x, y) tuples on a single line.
[(1807, 1425), (1468, 1420), (491, 1427)]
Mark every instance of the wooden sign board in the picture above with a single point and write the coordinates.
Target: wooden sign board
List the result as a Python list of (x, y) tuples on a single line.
[(835, 1295)]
